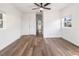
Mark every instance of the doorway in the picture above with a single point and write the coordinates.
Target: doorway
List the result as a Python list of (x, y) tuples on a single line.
[(39, 24)]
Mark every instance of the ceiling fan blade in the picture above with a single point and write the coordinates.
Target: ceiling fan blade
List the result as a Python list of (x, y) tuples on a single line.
[(37, 4), (47, 8), (46, 4), (35, 8)]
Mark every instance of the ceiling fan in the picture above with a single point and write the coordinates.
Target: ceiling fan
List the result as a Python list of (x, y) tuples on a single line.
[(42, 6)]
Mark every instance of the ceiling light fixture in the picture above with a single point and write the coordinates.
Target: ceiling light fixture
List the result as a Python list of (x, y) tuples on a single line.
[(41, 9)]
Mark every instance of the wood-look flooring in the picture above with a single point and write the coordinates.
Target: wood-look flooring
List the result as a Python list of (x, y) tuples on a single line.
[(38, 46)]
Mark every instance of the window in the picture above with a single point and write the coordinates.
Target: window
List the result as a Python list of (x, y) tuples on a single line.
[(1, 20), (67, 21)]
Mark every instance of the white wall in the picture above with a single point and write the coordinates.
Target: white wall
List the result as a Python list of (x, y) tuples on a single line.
[(71, 34), (29, 24), (12, 22), (51, 24)]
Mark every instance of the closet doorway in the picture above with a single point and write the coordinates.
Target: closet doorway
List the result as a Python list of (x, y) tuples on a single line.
[(39, 24)]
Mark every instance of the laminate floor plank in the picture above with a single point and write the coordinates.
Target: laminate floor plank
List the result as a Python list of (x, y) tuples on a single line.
[(37, 46)]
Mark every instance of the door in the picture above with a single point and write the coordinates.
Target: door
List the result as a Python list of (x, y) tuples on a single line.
[(39, 24)]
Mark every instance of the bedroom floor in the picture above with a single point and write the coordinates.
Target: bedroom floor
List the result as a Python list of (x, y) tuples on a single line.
[(37, 46)]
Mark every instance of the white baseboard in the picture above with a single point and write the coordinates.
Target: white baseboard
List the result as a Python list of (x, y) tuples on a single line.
[(71, 41)]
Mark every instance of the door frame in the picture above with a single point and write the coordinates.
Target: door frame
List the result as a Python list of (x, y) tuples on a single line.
[(37, 32)]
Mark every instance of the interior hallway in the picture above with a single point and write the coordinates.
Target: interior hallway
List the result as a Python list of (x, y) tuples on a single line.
[(37, 46)]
